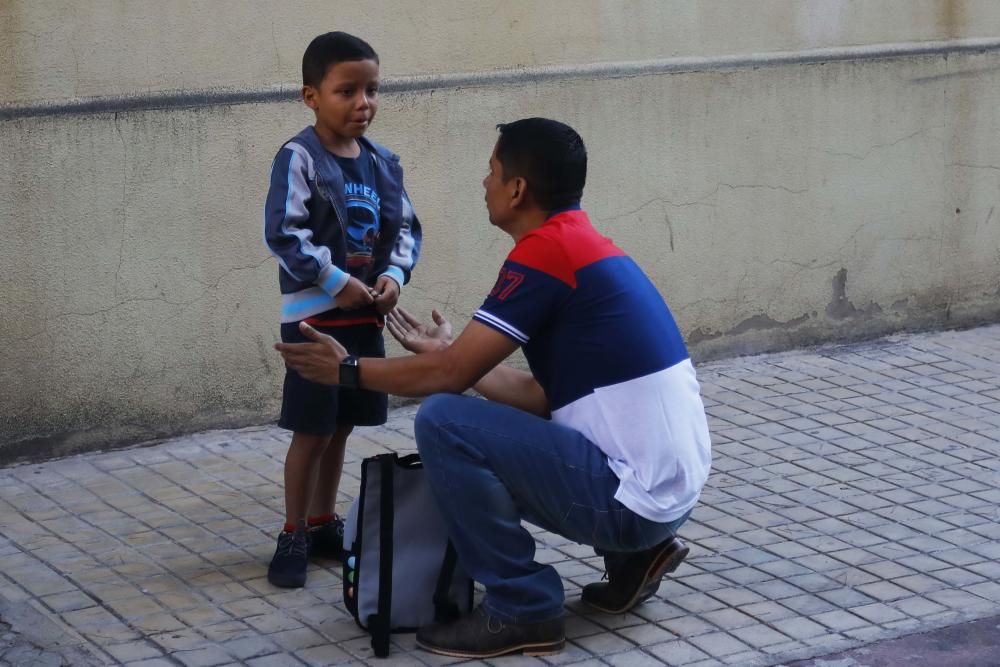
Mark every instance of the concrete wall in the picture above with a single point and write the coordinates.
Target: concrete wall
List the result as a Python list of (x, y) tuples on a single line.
[(778, 195)]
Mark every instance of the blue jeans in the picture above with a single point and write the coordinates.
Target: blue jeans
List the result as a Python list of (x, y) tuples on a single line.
[(490, 466)]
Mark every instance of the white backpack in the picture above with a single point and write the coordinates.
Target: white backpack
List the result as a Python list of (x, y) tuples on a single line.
[(400, 570)]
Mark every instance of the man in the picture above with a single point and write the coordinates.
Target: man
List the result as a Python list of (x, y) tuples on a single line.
[(604, 441)]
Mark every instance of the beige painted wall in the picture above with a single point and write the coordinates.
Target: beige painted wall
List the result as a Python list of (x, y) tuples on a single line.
[(58, 49), (773, 206)]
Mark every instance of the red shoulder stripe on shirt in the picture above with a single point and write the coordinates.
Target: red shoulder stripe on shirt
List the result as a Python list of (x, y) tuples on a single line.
[(566, 243)]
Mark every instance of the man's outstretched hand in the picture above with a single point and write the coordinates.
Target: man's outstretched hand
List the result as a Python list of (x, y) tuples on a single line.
[(318, 360), (416, 336)]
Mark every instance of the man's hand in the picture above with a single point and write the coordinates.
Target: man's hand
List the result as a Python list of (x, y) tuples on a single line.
[(318, 361), (416, 336), (386, 294), (354, 295)]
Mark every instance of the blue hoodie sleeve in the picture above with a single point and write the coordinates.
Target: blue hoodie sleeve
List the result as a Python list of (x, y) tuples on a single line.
[(406, 250), (286, 230)]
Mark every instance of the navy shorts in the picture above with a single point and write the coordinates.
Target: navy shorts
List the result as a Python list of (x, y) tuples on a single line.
[(317, 409)]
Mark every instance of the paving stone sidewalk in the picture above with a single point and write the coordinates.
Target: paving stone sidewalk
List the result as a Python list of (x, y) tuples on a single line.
[(854, 498)]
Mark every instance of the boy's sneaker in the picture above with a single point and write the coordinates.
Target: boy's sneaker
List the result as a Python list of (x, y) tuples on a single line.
[(327, 540), (288, 567), (636, 579)]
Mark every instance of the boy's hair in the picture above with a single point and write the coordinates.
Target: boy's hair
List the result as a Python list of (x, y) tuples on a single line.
[(330, 49), (549, 155)]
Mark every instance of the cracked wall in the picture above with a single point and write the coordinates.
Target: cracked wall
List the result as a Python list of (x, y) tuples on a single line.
[(773, 206)]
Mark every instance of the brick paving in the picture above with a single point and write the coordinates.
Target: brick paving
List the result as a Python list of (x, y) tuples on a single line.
[(854, 498)]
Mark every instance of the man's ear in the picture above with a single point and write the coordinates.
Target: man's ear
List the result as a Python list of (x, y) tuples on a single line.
[(519, 195), (309, 94)]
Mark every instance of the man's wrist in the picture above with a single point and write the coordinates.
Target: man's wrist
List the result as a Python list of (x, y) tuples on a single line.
[(350, 372)]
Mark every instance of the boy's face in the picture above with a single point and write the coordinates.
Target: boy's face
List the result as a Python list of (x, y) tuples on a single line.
[(346, 100)]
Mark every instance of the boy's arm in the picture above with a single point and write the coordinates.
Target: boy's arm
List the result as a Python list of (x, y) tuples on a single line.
[(406, 249), (285, 235)]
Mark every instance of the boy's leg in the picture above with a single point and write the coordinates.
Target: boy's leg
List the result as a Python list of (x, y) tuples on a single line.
[(490, 466), (302, 464), (331, 466), (291, 556), (309, 410), (326, 529)]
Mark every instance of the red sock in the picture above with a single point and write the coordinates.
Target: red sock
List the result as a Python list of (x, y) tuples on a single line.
[(320, 520), (289, 528)]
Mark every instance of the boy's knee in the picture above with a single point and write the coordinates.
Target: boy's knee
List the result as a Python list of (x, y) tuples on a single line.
[(310, 443)]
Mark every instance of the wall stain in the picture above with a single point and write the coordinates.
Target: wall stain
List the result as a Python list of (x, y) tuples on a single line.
[(760, 322), (840, 307), (952, 18)]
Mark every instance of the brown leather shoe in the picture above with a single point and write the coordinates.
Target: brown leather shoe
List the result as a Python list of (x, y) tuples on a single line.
[(479, 635), (636, 580)]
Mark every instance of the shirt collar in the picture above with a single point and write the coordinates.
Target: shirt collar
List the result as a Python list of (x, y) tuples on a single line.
[(575, 206)]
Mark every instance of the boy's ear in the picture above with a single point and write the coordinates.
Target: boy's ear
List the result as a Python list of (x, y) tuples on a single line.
[(309, 94)]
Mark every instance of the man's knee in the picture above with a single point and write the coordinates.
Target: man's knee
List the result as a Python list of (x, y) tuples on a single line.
[(435, 411)]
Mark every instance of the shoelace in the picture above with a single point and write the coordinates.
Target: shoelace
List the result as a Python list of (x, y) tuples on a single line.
[(292, 546)]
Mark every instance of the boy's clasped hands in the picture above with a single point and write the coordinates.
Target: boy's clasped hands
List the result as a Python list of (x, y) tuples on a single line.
[(358, 295)]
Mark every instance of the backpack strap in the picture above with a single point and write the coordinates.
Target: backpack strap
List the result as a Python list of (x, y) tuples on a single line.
[(379, 624), (445, 609)]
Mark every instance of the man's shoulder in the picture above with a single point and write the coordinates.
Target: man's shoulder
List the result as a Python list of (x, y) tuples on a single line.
[(570, 234), (543, 250)]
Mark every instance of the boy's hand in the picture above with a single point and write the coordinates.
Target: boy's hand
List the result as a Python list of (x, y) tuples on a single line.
[(386, 294), (354, 295), (319, 360), (416, 336)]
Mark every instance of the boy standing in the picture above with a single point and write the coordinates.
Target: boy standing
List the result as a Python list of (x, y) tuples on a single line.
[(342, 228)]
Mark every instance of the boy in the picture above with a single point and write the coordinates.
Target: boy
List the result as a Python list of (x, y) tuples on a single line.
[(342, 228)]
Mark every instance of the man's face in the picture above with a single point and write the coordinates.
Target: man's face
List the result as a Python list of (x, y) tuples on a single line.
[(346, 100), (497, 192)]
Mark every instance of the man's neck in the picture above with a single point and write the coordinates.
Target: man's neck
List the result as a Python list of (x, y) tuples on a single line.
[(528, 221)]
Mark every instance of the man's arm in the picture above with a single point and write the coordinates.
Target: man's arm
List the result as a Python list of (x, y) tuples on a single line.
[(453, 369), (502, 384), (516, 388)]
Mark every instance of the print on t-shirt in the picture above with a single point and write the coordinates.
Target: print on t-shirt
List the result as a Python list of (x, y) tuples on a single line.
[(362, 211)]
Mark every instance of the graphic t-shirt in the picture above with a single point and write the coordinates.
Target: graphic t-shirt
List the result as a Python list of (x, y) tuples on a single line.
[(604, 346), (362, 211)]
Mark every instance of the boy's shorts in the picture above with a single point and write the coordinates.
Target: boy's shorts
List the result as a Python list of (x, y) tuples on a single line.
[(317, 409)]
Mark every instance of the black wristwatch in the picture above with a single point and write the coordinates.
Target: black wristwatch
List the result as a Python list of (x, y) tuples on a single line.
[(350, 373)]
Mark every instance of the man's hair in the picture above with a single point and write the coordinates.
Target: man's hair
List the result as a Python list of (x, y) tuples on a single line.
[(330, 49), (549, 155)]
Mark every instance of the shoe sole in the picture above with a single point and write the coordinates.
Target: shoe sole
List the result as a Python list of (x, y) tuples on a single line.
[(664, 564), (534, 650), (282, 582)]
